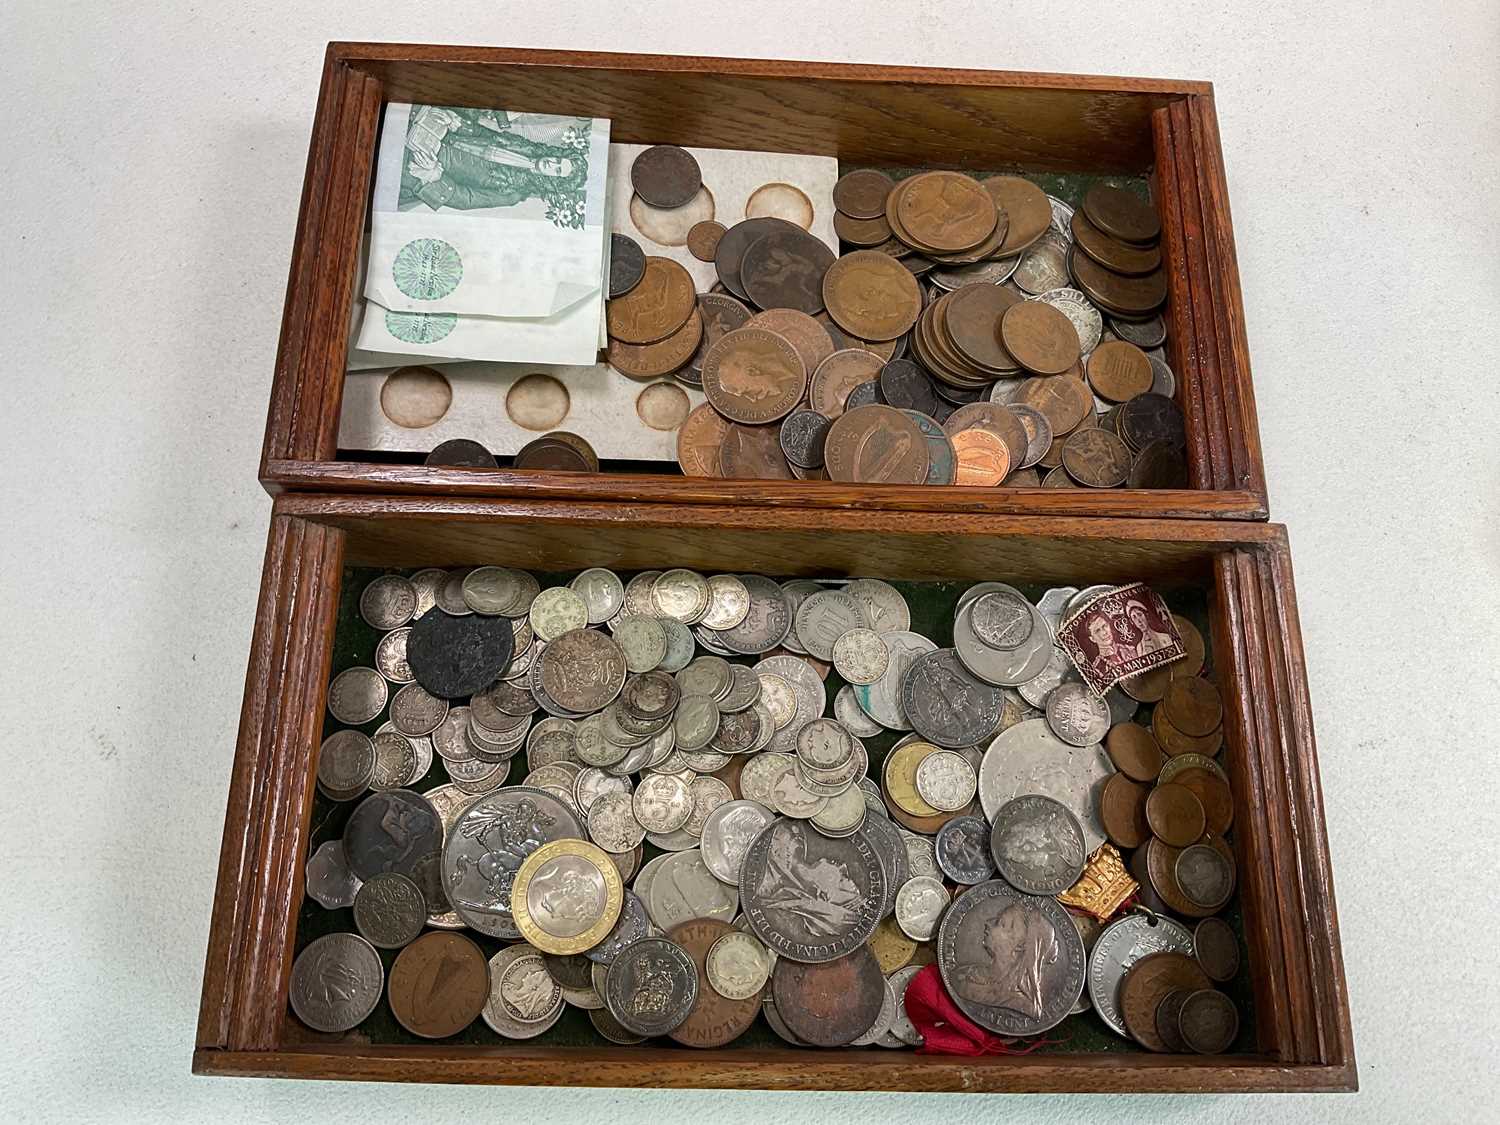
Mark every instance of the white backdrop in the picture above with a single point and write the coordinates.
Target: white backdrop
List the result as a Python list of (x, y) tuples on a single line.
[(155, 166)]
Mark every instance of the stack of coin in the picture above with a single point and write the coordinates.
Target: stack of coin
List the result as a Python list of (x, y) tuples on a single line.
[(558, 451), (1115, 258), (696, 841)]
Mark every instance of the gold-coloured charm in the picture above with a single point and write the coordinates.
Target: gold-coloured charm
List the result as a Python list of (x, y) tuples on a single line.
[(1104, 885)]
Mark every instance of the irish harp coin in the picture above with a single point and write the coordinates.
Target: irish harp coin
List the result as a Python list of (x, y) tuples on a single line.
[(439, 985), (876, 444)]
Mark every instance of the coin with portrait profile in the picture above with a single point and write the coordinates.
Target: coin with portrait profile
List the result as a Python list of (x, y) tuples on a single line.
[(567, 896)]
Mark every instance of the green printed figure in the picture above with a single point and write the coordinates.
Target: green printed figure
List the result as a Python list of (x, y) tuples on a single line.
[(419, 328), (427, 269)]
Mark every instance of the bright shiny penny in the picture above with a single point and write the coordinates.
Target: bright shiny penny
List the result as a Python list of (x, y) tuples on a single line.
[(658, 306), (982, 458)]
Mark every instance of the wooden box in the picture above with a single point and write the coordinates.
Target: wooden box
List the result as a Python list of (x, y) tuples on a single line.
[(1243, 571), (1164, 131)]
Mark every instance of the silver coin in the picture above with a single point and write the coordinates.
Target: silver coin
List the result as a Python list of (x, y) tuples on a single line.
[(1013, 963), (882, 699), (824, 745), (1124, 942), (602, 592), (860, 656), (796, 591), (612, 1029), (643, 640), (1029, 758), (356, 696), (638, 595), (902, 1028), (581, 671), (680, 593), (632, 925), (946, 781), (766, 623), (346, 764), (1083, 597), (1037, 845), (709, 639), (1087, 320), (524, 1000), (388, 602), (652, 987), (826, 616), (946, 703), (555, 611), (728, 832), (1062, 217), (1044, 265), (738, 966), (712, 676), (389, 910), (921, 854), (662, 803), (890, 852), (427, 583), (1058, 670), (999, 666), (491, 590), (395, 760), (390, 657), (449, 596), (919, 905), (846, 709), (1052, 604), (336, 982), (791, 797), (680, 645), (885, 608), (391, 832), (728, 602), (1002, 619), (612, 823), (806, 684), (416, 711), (1151, 333), (994, 272), (329, 881), (760, 773), (744, 690), (684, 888), (1163, 379), (1077, 716), (963, 850), (843, 814), (707, 794)]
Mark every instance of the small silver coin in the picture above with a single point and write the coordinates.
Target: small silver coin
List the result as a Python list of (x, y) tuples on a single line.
[(1002, 619), (946, 781), (681, 594), (329, 881), (767, 622), (846, 709), (336, 982), (346, 763), (416, 711), (555, 611), (426, 583), (738, 966), (744, 689), (492, 590), (1076, 715), (902, 1027), (390, 910), (1037, 845), (524, 1000), (662, 802), (388, 602), (356, 696), (651, 986), (919, 906), (602, 592), (825, 617), (612, 823), (390, 657), (963, 850), (885, 608), (861, 656), (797, 591), (395, 760), (680, 645), (728, 602), (643, 640)]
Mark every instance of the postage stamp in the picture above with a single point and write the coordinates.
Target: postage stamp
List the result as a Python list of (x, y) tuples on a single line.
[(1119, 634)]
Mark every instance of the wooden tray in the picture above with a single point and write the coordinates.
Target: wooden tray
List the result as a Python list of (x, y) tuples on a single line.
[(883, 115), (1286, 890)]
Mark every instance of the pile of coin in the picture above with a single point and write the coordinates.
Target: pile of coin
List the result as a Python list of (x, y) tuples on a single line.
[(698, 841), (558, 450)]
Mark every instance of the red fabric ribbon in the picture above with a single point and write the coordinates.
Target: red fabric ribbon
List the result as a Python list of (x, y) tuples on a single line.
[(947, 1031)]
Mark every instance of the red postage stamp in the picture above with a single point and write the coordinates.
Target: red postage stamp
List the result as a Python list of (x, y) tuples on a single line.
[(1119, 634)]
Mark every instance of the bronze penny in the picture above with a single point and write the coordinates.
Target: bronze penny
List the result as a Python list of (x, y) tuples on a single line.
[(871, 295), (753, 375), (1111, 253), (1064, 401), (1216, 949), (1027, 208), (839, 374), (807, 335), (1122, 811), (982, 458), (1140, 871), (721, 313), (1175, 814), (1119, 371), (651, 361), (1038, 433), (1152, 417), (784, 268), (553, 455), (665, 175), (885, 349), (1205, 875), (1121, 215), (1193, 706), (1172, 740), (861, 232), (753, 453), (585, 450), (1145, 985), (1168, 1017), (832, 1003), (703, 239), (1213, 794), (658, 306), (714, 1020), (1133, 750), (945, 211), (1148, 687), (972, 316), (698, 441), (876, 445), (1058, 478), (995, 417), (438, 985), (1116, 293), (1095, 457), (1192, 641), (1158, 465), (1039, 338), (987, 249), (861, 194), (1209, 1022), (735, 241)]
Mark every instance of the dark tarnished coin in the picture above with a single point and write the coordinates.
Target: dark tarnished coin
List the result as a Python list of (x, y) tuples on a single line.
[(1122, 811), (1095, 457), (943, 458), (753, 376), (389, 910), (1209, 1022), (632, 925), (803, 434), (1013, 963), (861, 194), (1039, 337), (665, 175), (1121, 215), (1168, 1021), (735, 241), (703, 239), (346, 764), (767, 623), (947, 704), (831, 1003), (454, 656), (582, 670), (1152, 417), (1037, 845), (1205, 875), (336, 982), (1146, 983), (963, 850), (391, 832), (905, 385), (572, 971), (784, 268), (1175, 815), (652, 986), (714, 1019), (1151, 333), (1112, 253), (864, 394), (439, 984), (551, 453), (658, 306), (810, 897), (1114, 292), (753, 453), (461, 453), (627, 262), (1217, 949), (876, 445), (1158, 465)]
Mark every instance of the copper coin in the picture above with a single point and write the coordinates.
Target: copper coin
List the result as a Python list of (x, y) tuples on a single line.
[(1152, 417), (861, 194), (784, 268), (735, 241), (1064, 401), (753, 375), (861, 232), (1193, 705), (714, 1020), (1038, 433), (461, 453), (1144, 986), (1213, 794), (665, 175), (839, 374), (972, 316), (658, 306), (945, 211), (547, 452), (876, 445), (1175, 814), (1097, 458), (832, 1003), (1174, 741), (698, 442), (1158, 465), (1168, 1017), (1148, 687), (753, 453), (982, 458), (1121, 215), (438, 985), (1192, 641), (1216, 949), (1119, 371), (1209, 1022), (1114, 292), (1122, 811), (871, 295), (1039, 338), (1140, 871), (703, 239), (1111, 253), (1205, 875), (1134, 752), (585, 450), (627, 262), (1058, 478), (1027, 208), (995, 417), (651, 361), (807, 334), (721, 313)]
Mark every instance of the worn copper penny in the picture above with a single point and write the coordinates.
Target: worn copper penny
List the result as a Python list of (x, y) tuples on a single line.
[(998, 419), (665, 175), (1213, 794), (1217, 949), (1205, 875), (1173, 741), (944, 211), (1063, 400), (1175, 814), (1039, 337), (703, 239), (861, 194), (1193, 705), (1097, 458), (627, 262), (1118, 371), (753, 375), (1159, 465), (698, 442), (871, 295), (1133, 750), (876, 445), (862, 232), (1168, 1012), (1152, 417), (439, 984), (784, 268), (839, 374), (1027, 208), (714, 1020), (982, 458), (1209, 1022), (735, 241), (806, 334), (1158, 862), (1192, 641), (1122, 215), (721, 313), (551, 452), (1111, 253), (1144, 986), (1116, 293), (1149, 687), (651, 361), (658, 305), (831, 1003), (972, 316), (1122, 811), (753, 453)]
